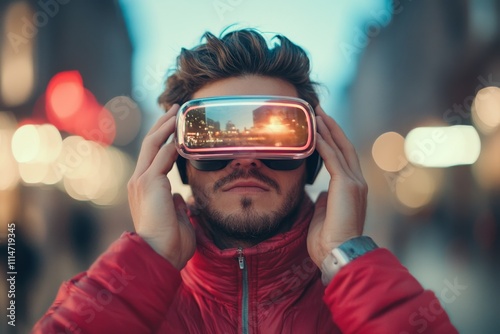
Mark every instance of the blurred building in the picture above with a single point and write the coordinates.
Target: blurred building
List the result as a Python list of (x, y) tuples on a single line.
[(58, 235), (425, 70)]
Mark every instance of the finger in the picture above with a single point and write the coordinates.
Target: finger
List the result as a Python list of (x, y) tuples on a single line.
[(321, 202), (152, 144), (155, 137), (170, 113), (330, 157), (343, 143), (325, 132), (179, 202), (331, 154), (319, 209), (340, 138), (336, 132), (164, 160), (181, 209)]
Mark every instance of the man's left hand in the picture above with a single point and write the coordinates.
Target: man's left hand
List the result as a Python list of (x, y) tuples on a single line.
[(339, 214)]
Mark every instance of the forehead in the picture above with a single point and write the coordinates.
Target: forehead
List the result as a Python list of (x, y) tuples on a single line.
[(247, 85)]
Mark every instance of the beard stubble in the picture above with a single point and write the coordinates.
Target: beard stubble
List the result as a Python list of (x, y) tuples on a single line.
[(248, 224)]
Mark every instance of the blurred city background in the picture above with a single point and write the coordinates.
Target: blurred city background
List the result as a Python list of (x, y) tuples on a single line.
[(413, 83)]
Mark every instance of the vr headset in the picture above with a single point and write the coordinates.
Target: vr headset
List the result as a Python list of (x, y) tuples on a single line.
[(279, 131)]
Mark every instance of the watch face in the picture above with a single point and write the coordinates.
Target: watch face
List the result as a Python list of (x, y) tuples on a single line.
[(357, 246)]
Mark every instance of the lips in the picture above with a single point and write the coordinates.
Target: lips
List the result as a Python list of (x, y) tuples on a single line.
[(246, 185)]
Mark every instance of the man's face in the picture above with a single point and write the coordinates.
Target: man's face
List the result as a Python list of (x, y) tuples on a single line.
[(246, 200)]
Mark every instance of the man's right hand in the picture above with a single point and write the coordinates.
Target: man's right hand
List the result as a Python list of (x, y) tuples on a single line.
[(150, 196)]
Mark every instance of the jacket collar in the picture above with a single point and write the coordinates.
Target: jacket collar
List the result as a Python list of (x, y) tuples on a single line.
[(276, 268)]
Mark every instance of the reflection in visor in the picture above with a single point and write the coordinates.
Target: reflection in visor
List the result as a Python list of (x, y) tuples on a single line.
[(223, 126)]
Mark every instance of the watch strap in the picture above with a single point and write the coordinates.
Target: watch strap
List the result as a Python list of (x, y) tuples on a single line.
[(343, 254)]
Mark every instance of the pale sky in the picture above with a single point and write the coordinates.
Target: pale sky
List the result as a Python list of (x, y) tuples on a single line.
[(324, 28)]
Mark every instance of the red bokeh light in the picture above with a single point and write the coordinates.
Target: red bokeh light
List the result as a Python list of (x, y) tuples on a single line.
[(74, 109), (65, 94)]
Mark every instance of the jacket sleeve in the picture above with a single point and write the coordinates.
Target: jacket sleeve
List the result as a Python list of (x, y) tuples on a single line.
[(127, 290), (376, 294)]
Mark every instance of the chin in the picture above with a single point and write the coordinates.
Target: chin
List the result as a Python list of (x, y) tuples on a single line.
[(245, 203)]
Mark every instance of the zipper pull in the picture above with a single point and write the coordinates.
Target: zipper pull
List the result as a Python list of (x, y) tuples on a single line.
[(241, 259)]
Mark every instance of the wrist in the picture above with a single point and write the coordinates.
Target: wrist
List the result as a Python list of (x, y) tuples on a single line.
[(343, 254), (159, 247)]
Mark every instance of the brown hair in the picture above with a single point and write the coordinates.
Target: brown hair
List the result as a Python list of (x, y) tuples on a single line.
[(238, 53)]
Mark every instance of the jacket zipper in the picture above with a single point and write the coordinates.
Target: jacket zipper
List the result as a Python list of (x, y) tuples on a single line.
[(244, 298)]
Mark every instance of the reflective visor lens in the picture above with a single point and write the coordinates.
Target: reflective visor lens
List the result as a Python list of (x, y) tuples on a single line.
[(213, 165), (230, 127)]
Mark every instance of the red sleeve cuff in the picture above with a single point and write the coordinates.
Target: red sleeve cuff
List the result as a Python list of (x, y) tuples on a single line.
[(375, 293)]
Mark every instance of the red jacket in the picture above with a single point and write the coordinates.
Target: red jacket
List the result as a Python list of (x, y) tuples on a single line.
[(273, 287)]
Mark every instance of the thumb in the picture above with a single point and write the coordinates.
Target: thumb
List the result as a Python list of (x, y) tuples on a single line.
[(180, 208), (321, 201), (320, 205)]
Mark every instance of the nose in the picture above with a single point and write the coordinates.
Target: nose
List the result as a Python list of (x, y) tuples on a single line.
[(245, 163)]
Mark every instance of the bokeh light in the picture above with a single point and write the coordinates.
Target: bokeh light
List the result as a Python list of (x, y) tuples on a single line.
[(417, 187), (88, 170), (26, 143), (443, 146), (73, 108), (487, 168), (36, 148), (388, 152), (17, 66), (33, 172), (76, 158), (92, 172), (9, 173), (486, 109), (112, 188), (36, 143), (65, 94), (127, 117), (52, 175), (50, 143)]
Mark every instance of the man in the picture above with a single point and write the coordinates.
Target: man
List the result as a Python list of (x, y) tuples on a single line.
[(246, 256)]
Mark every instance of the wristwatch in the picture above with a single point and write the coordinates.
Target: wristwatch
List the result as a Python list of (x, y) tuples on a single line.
[(343, 254)]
